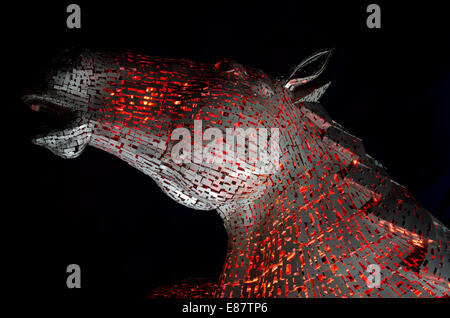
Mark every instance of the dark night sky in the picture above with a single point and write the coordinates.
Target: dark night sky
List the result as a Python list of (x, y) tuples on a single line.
[(390, 88)]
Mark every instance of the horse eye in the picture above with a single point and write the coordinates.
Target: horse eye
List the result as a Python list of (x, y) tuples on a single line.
[(224, 66)]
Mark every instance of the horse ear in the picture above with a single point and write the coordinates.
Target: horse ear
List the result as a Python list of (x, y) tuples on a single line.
[(308, 70)]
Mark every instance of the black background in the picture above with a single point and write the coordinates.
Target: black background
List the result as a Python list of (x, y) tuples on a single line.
[(390, 87)]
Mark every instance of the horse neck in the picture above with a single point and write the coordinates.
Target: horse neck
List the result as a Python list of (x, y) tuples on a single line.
[(292, 247)]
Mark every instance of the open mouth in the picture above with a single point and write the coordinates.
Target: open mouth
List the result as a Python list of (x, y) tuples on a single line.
[(49, 114)]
